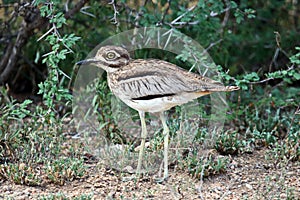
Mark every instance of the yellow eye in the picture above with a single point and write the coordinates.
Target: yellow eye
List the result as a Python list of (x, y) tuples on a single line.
[(110, 55)]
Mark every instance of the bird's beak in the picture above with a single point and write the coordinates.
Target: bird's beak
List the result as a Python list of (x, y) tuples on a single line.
[(87, 61)]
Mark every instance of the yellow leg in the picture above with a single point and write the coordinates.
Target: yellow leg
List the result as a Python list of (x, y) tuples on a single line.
[(166, 144), (142, 147)]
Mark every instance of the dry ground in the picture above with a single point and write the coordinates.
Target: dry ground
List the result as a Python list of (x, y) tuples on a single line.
[(249, 176)]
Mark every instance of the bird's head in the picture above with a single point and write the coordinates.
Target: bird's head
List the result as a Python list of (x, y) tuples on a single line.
[(109, 58)]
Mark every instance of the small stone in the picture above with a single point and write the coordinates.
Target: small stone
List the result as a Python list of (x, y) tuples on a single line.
[(6, 188), (283, 196), (248, 186), (22, 166)]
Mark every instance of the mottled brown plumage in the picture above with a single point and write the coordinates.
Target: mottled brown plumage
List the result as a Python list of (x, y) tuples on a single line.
[(151, 86)]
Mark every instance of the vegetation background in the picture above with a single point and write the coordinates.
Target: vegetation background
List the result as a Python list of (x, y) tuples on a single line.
[(256, 43)]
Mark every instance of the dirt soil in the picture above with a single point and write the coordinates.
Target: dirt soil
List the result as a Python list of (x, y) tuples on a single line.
[(249, 176)]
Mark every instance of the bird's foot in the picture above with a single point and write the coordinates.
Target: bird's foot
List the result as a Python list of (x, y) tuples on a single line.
[(161, 179), (134, 178)]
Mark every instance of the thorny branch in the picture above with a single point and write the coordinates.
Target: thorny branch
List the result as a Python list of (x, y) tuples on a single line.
[(116, 12), (178, 23), (271, 78)]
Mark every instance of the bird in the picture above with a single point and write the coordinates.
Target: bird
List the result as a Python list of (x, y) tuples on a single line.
[(151, 85)]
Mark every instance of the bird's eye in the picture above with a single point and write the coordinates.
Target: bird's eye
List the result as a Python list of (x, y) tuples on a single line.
[(110, 55)]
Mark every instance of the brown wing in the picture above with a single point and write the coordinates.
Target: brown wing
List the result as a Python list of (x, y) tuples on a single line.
[(156, 78)]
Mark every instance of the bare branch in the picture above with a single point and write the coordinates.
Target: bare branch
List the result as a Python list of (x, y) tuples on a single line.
[(10, 57), (32, 20), (75, 9), (165, 14), (227, 13)]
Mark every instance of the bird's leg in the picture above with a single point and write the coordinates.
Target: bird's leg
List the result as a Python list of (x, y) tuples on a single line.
[(166, 143), (142, 147)]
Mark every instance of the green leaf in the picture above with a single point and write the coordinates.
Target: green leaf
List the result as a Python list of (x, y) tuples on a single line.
[(297, 76)]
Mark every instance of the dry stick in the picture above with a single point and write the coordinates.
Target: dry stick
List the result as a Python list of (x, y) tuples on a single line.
[(136, 25), (277, 51), (11, 57), (226, 16), (165, 13), (9, 60)]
